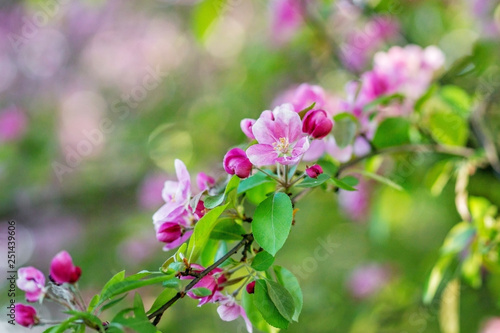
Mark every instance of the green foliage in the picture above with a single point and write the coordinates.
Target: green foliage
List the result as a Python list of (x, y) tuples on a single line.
[(227, 229), (262, 261), (290, 282), (272, 222), (344, 129), (266, 306), (313, 182), (392, 132)]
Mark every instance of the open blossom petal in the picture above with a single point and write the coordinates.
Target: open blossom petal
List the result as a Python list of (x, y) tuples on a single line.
[(261, 155), (229, 310), (31, 281)]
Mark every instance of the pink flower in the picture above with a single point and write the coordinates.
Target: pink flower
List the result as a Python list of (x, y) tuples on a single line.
[(356, 203), (286, 19), (279, 136), (491, 326), (246, 126), (237, 163), (31, 281), (62, 269), (317, 124), (210, 282), (177, 195), (26, 315), (229, 310), (305, 95), (314, 171), (366, 280), (204, 181), (13, 124), (149, 194), (328, 145)]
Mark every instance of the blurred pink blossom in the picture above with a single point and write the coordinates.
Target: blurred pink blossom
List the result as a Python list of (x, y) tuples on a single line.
[(366, 280), (149, 194), (356, 203), (229, 310), (32, 282), (286, 19), (491, 326), (13, 124)]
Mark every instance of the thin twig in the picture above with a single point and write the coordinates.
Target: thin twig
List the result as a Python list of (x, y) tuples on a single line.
[(247, 239)]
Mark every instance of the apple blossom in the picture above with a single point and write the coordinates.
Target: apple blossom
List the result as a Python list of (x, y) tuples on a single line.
[(317, 124), (31, 281), (279, 136), (237, 163), (314, 171), (229, 310)]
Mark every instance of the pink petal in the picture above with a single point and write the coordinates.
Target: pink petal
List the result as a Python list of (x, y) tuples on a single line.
[(177, 242), (229, 312), (261, 154), (184, 189), (315, 151)]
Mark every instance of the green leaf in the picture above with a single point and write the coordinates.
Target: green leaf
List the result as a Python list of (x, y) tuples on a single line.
[(272, 222), (282, 299), (313, 182), (392, 132), (266, 306), (448, 128), (112, 303), (344, 129), (290, 282), (345, 182), (437, 277), (205, 15), (458, 100), (253, 181), (262, 261), (328, 165), (201, 292), (86, 317), (227, 229), (166, 295), (248, 303), (209, 251), (202, 230), (217, 200), (118, 277), (438, 176), (131, 283), (138, 323), (93, 303), (458, 238), (302, 113), (260, 193), (381, 179)]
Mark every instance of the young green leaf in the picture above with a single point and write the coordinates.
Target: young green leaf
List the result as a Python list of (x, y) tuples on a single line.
[(272, 222), (252, 312), (262, 261), (344, 129), (201, 292), (227, 229), (112, 303), (281, 298), (253, 181), (313, 182), (290, 282), (265, 305), (202, 231), (166, 295), (392, 132)]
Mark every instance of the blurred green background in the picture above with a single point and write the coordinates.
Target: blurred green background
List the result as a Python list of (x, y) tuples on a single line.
[(146, 83)]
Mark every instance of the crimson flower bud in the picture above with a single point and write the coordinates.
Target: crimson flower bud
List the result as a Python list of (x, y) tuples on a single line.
[(62, 269), (26, 315), (246, 126), (169, 232), (314, 171), (317, 124), (251, 287), (237, 163)]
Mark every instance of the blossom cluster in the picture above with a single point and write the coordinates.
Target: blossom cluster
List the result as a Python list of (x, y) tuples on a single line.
[(63, 273)]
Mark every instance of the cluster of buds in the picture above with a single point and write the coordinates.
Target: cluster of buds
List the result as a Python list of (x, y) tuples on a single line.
[(63, 275)]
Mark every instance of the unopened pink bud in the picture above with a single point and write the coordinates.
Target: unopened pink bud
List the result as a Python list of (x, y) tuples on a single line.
[(251, 287), (314, 171), (246, 126), (26, 315), (237, 163), (317, 124), (62, 269), (169, 232)]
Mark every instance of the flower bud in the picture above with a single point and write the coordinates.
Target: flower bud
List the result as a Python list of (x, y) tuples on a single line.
[(314, 171), (26, 315), (62, 269), (251, 287), (31, 281), (317, 124), (169, 232), (204, 181), (246, 126), (237, 163)]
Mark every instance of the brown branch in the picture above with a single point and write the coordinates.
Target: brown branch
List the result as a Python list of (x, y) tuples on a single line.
[(247, 239)]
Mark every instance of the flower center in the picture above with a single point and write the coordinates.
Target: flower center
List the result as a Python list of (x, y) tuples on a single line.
[(281, 146)]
